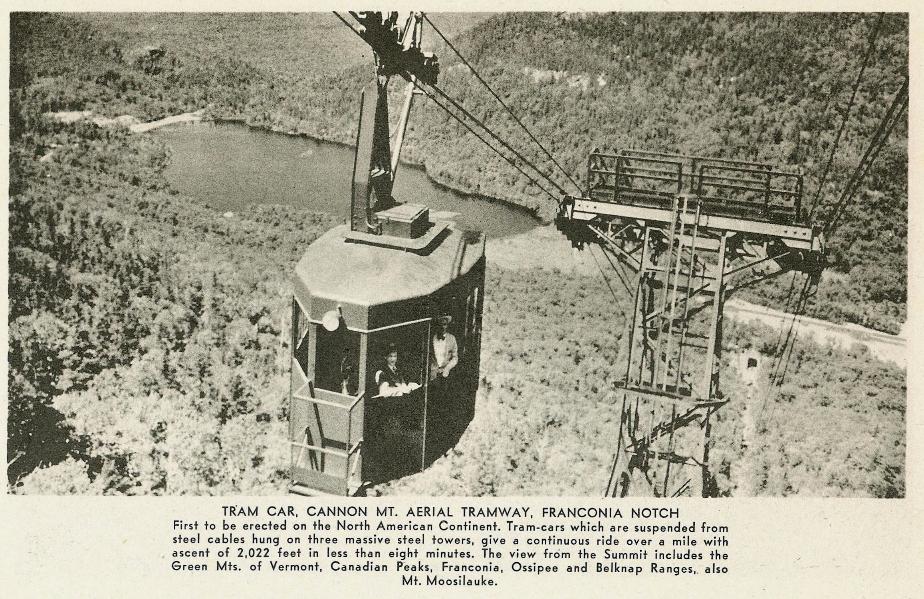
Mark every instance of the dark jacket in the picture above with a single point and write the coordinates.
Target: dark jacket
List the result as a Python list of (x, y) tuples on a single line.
[(392, 377)]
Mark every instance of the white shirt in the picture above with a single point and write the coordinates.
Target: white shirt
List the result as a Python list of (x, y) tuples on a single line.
[(440, 351)]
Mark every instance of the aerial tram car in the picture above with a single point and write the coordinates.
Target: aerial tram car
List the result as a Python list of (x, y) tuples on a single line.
[(386, 315)]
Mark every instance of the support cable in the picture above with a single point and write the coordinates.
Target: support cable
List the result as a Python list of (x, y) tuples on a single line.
[(348, 24), (777, 376), (487, 129), (788, 306), (603, 275), (788, 361), (619, 269), (892, 117), (888, 122), (502, 103), (484, 141), (871, 44), (484, 127)]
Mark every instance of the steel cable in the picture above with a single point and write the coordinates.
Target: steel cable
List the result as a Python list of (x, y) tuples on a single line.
[(853, 95), (484, 141), (484, 127), (888, 122), (502, 103), (497, 137), (775, 383)]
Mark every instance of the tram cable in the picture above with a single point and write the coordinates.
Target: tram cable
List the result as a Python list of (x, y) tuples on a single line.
[(871, 44), (877, 141), (786, 308), (483, 126), (784, 355), (620, 272), (776, 377), (788, 358), (605, 278), (502, 103), (347, 23), (484, 141), (886, 125), (791, 308)]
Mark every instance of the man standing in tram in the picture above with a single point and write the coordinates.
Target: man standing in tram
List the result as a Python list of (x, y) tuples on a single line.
[(445, 356)]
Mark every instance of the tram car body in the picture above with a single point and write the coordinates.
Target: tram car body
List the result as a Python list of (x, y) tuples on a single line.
[(358, 296)]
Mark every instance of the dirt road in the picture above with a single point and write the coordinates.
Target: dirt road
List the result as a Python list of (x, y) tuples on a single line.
[(544, 247)]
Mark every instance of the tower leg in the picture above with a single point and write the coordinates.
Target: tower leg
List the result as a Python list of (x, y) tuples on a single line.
[(713, 363)]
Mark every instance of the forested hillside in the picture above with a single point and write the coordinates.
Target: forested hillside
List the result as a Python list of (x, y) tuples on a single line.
[(148, 335), (153, 326), (768, 87), (765, 86)]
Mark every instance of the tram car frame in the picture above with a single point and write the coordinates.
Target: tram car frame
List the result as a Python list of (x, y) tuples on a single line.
[(358, 295)]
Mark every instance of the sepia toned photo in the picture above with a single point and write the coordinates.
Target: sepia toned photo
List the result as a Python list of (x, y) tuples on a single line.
[(458, 254)]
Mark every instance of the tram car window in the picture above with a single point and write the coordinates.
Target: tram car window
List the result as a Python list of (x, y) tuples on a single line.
[(336, 360), (300, 329)]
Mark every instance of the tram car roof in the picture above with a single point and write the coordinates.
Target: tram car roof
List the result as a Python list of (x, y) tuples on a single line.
[(361, 272)]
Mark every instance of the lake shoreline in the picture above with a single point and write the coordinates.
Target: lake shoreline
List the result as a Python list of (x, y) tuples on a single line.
[(200, 160), (510, 204), (557, 255), (186, 118)]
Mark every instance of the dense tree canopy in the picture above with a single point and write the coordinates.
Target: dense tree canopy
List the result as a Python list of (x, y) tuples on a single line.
[(148, 335), (771, 87)]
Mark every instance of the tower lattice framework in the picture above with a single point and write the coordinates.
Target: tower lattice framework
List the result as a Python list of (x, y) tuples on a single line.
[(682, 233)]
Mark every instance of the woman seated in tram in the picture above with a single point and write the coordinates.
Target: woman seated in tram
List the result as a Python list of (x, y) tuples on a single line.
[(390, 380)]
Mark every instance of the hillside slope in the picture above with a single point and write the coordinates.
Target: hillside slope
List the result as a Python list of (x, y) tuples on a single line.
[(754, 86), (148, 335), (768, 87)]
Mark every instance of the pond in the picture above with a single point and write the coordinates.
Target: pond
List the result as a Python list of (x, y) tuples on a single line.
[(230, 166)]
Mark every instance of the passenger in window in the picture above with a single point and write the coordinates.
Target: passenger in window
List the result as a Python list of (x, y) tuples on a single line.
[(445, 351), (348, 382), (390, 379)]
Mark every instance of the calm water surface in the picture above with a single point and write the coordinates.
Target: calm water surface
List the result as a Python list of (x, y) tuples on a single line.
[(230, 166)]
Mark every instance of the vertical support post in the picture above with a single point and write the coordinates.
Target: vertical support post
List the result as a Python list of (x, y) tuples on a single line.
[(312, 351), (679, 178), (670, 450), (686, 298), (692, 187), (678, 259), (767, 193), (638, 320), (590, 161), (372, 177), (616, 472), (665, 268), (714, 344), (363, 366), (296, 313), (707, 442), (713, 359), (349, 446), (426, 391), (357, 205), (361, 391), (616, 176), (398, 141)]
